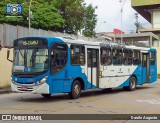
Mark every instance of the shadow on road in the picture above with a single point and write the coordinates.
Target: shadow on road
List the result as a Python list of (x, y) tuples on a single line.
[(88, 93)]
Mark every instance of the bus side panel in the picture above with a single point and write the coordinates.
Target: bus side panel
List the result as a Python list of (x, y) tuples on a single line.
[(57, 86), (139, 80), (126, 83), (62, 84), (119, 76), (144, 74), (57, 82), (153, 69), (153, 74), (137, 73)]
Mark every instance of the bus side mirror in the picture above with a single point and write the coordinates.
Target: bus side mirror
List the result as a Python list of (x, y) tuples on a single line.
[(8, 54)]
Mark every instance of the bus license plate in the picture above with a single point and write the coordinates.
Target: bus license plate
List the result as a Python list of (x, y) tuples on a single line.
[(24, 88)]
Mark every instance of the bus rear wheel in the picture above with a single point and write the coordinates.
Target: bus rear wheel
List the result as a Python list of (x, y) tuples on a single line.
[(132, 84), (46, 95), (75, 90), (107, 90)]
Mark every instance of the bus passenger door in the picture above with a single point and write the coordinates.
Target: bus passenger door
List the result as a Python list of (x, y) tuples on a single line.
[(145, 67), (153, 67), (93, 68)]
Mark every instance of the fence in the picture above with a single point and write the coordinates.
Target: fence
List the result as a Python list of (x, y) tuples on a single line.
[(9, 32)]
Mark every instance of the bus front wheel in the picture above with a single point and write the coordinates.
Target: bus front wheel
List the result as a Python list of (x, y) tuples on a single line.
[(75, 90), (46, 95)]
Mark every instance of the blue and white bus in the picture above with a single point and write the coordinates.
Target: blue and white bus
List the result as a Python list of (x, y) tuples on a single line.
[(48, 65)]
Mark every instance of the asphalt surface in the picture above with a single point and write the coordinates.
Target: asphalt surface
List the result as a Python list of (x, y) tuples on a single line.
[(144, 100)]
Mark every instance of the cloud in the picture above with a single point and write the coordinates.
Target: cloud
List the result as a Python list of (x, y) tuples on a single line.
[(110, 12)]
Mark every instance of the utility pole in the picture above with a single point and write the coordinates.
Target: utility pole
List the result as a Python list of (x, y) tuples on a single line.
[(122, 20), (29, 17), (137, 22)]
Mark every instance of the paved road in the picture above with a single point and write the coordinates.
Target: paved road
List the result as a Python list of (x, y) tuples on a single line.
[(145, 100)]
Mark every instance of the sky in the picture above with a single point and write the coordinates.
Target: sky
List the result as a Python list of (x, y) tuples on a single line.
[(109, 16)]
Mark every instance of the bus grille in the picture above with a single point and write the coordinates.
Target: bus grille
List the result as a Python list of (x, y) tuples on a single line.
[(26, 83), (27, 89)]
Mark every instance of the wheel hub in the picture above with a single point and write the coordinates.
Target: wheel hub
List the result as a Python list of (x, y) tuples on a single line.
[(76, 90), (133, 84)]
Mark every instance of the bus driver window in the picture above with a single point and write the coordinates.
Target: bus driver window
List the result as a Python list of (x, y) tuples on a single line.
[(52, 58)]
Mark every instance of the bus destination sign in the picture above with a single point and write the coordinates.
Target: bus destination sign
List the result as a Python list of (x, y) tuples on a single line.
[(30, 42)]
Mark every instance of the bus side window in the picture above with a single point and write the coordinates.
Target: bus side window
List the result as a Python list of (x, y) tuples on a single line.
[(117, 56), (127, 57), (106, 57), (152, 58), (136, 57), (58, 57), (77, 54)]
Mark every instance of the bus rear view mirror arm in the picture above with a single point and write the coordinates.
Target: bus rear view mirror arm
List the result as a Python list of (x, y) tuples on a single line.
[(8, 54)]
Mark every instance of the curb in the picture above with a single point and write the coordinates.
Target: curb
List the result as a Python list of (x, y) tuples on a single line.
[(5, 90)]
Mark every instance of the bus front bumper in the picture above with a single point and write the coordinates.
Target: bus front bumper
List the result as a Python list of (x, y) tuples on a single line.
[(30, 88)]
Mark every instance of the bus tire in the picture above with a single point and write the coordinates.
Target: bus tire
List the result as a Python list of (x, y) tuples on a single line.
[(125, 88), (75, 90), (107, 90), (132, 84), (46, 95)]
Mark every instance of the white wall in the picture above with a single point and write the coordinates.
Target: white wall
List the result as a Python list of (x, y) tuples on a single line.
[(5, 68)]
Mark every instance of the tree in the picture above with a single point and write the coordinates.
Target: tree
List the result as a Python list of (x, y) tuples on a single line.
[(70, 16), (4, 18), (45, 15), (90, 21), (77, 17)]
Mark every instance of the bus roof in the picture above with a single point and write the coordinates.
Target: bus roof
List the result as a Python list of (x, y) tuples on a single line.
[(95, 43)]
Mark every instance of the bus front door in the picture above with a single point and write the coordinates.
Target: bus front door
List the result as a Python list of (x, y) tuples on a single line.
[(145, 67), (93, 68)]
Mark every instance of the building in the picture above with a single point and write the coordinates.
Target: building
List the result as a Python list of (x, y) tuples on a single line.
[(108, 36), (150, 10)]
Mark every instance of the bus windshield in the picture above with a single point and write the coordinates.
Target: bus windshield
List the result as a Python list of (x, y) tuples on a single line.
[(31, 60)]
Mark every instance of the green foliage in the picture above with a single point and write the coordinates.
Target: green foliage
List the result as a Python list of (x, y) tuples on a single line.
[(71, 16), (46, 15), (90, 21), (8, 19), (72, 12), (77, 17)]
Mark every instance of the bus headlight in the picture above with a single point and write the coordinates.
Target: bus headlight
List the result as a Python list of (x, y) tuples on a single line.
[(43, 80)]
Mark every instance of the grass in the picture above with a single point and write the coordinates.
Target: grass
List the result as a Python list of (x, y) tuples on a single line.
[(159, 75)]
